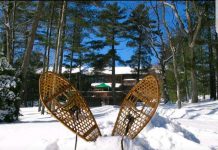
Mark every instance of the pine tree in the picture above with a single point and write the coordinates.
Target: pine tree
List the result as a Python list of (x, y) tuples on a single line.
[(110, 27), (202, 65), (9, 91), (29, 48), (138, 33), (209, 24), (97, 60), (81, 26)]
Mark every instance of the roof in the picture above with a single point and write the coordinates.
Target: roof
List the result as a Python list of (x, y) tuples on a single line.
[(108, 70), (102, 85), (108, 84), (119, 70)]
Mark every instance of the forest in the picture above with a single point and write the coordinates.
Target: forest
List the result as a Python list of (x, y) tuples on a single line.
[(177, 36)]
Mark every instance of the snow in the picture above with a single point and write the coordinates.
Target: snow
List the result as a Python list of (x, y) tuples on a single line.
[(4, 65), (194, 126), (129, 79), (119, 70), (8, 93), (108, 70)]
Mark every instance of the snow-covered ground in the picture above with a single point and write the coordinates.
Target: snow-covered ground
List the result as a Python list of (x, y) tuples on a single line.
[(195, 126)]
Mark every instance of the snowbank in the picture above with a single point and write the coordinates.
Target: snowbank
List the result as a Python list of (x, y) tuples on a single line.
[(192, 127)]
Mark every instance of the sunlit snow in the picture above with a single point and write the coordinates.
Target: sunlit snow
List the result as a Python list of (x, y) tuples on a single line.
[(194, 126)]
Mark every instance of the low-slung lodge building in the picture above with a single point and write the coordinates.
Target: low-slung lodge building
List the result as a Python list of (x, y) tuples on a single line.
[(89, 80)]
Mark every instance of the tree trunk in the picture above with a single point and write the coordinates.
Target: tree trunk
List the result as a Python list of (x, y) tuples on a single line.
[(80, 72), (173, 49), (71, 65), (164, 83), (216, 46), (7, 23), (25, 89), (175, 70), (113, 79), (139, 62), (48, 45), (45, 57), (13, 31), (62, 46), (57, 54), (49, 37), (4, 44), (113, 72), (185, 75), (212, 69), (193, 77), (31, 39), (192, 34), (46, 49), (24, 84), (161, 58)]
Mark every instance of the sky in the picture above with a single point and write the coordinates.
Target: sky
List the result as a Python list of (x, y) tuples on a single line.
[(125, 52), (122, 50)]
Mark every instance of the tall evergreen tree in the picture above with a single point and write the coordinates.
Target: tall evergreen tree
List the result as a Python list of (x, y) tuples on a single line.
[(81, 28), (210, 24), (138, 32), (30, 43), (110, 28), (59, 36)]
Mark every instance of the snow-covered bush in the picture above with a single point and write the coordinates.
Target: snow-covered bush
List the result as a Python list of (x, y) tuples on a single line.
[(9, 99)]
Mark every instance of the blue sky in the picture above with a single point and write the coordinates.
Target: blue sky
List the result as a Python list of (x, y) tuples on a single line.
[(123, 51)]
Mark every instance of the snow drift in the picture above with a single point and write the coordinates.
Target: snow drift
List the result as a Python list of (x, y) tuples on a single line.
[(192, 127)]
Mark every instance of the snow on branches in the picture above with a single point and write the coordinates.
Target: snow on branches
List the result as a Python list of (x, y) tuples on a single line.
[(9, 99)]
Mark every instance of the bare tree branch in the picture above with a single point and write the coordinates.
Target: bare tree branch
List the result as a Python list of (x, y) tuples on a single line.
[(155, 51), (181, 24), (165, 24), (188, 17), (192, 44), (195, 8), (198, 26), (159, 30), (168, 59)]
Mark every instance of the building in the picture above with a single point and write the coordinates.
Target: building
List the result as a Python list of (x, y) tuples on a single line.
[(125, 79)]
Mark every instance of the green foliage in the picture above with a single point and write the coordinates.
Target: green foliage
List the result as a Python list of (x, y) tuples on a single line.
[(110, 29), (202, 65), (9, 92), (81, 23), (171, 83), (32, 78), (138, 33), (91, 27)]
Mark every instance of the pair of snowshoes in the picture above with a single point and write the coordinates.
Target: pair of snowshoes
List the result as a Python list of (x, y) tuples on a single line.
[(67, 105)]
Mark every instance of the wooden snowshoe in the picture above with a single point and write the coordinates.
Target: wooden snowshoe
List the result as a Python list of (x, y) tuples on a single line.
[(66, 104), (138, 107)]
